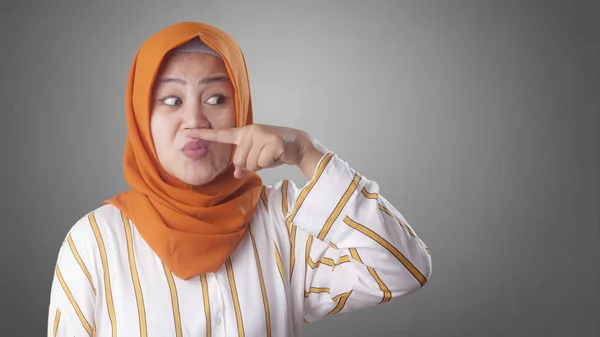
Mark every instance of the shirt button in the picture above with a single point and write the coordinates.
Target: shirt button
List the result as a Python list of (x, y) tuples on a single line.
[(218, 320)]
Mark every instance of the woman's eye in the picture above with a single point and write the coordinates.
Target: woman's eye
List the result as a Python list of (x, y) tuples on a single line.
[(216, 99), (171, 101)]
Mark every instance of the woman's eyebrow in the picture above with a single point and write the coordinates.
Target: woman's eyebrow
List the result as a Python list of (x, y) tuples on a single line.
[(206, 80)]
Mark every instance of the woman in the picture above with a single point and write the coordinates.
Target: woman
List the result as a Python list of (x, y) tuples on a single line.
[(198, 246)]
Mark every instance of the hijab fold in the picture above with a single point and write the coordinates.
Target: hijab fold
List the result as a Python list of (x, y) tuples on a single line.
[(192, 230)]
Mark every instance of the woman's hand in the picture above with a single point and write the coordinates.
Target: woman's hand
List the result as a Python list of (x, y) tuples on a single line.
[(265, 146)]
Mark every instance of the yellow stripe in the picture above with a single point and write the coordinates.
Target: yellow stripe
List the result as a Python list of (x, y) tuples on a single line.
[(80, 262), (341, 299), (307, 249), (374, 236), (135, 278), (337, 298), (306, 190), (332, 245), (262, 286), (325, 260), (333, 264), (401, 223), (56, 321), (387, 294), (84, 321), (174, 301), (343, 259), (236, 302), (319, 290), (338, 208), (293, 250), (206, 303), (263, 197), (284, 205), (316, 290), (109, 299), (369, 195), (279, 264)]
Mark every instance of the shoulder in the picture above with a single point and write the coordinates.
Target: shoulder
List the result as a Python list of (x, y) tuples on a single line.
[(101, 218), (90, 229), (83, 247)]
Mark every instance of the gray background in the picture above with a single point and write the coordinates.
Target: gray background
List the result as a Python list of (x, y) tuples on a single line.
[(479, 119)]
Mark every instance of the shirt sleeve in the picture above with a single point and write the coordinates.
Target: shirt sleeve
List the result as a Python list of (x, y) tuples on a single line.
[(355, 249), (73, 294)]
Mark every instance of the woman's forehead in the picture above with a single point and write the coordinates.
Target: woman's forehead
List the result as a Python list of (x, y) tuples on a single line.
[(192, 64)]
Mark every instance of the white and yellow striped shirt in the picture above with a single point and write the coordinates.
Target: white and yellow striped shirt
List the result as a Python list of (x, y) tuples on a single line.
[(333, 246)]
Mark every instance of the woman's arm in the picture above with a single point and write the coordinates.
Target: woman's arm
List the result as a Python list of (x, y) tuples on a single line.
[(359, 250), (73, 293)]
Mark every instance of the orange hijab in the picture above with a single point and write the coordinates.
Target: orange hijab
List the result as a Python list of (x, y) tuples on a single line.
[(192, 230)]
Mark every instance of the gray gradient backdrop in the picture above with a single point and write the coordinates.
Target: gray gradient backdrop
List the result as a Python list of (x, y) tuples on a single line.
[(479, 119)]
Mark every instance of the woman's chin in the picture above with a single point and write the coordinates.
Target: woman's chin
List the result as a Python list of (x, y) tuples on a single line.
[(198, 173), (197, 179)]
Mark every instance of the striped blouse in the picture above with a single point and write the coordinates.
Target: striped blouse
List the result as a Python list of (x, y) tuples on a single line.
[(331, 246)]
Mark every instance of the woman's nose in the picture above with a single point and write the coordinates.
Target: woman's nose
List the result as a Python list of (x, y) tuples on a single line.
[(194, 116)]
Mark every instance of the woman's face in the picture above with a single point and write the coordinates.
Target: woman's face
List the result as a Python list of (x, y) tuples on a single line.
[(192, 91)]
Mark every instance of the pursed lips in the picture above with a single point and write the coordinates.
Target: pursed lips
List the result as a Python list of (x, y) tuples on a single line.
[(195, 149)]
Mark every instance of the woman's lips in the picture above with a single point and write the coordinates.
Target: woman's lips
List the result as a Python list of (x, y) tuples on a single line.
[(195, 149)]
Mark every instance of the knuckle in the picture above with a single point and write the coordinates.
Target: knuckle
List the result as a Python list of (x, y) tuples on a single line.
[(265, 162), (239, 161)]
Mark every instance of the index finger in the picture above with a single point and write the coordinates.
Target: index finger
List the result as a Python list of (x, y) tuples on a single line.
[(228, 136)]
